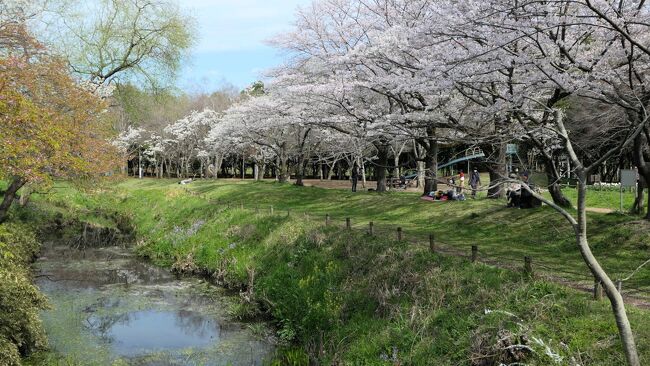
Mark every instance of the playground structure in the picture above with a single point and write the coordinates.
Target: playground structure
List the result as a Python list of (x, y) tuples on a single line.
[(470, 154), (408, 180)]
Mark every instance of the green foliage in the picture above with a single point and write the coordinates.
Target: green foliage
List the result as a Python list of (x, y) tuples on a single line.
[(129, 42), (20, 300)]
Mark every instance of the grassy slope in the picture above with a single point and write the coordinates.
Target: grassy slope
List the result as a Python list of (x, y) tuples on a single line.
[(366, 300), (499, 232)]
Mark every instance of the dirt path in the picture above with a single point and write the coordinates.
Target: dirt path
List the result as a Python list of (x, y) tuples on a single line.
[(600, 210)]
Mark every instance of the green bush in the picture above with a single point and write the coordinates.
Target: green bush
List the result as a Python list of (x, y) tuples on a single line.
[(21, 332)]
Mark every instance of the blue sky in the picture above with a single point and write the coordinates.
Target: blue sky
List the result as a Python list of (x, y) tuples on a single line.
[(231, 47)]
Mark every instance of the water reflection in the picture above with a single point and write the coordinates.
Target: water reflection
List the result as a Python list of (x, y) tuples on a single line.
[(110, 306), (134, 333)]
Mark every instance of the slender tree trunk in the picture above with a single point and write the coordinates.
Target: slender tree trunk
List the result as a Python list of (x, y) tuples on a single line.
[(9, 197), (396, 165), (300, 168), (330, 169), (421, 168), (638, 208), (643, 169), (139, 165), (320, 171), (615, 298)]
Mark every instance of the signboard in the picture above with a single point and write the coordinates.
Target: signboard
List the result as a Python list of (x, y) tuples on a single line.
[(511, 149), (628, 178)]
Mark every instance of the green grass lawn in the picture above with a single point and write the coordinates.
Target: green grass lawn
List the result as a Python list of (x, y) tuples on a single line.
[(610, 199), (344, 296), (506, 235)]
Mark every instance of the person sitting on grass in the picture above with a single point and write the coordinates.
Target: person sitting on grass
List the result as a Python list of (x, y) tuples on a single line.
[(521, 197), (513, 192)]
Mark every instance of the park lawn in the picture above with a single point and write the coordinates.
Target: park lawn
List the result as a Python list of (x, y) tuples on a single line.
[(605, 198), (501, 234), (342, 295)]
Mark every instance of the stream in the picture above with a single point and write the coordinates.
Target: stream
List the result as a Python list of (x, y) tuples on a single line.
[(111, 308)]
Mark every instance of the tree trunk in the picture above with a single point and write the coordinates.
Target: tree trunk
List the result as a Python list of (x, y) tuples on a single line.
[(553, 177), (558, 197), (300, 170), (363, 173), (421, 169), (497, 170), (9, 197), (283, 166), (643, 168), (330, 169), (615, 298), (431, 166), (638, 207), (380, 168), (396, 166)]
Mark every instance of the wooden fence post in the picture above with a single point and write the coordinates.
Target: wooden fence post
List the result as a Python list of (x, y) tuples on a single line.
[(619, 286), (432, 243), (371, 230), (257, 210), (598, 290), (347, 223), (399, 234), (327, 219), (528, 266), (241, 205), (288, 212), (474, 253)]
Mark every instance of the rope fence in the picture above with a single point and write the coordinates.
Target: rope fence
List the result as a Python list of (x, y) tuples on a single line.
[(529, 265)]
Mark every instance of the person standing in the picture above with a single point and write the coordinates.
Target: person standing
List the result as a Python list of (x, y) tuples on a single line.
[(461, 183), (474, 181), (355, 177)]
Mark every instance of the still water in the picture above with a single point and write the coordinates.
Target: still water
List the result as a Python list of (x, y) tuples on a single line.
[(110, 308)]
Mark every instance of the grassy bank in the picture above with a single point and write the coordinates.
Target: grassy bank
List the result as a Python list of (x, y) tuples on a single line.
[(344, 297), (501, 234)]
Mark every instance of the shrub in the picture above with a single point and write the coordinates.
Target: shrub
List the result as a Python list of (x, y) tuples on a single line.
[(21, 332)]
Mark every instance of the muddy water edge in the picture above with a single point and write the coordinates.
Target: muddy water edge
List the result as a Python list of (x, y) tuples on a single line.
[(112, 308)]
